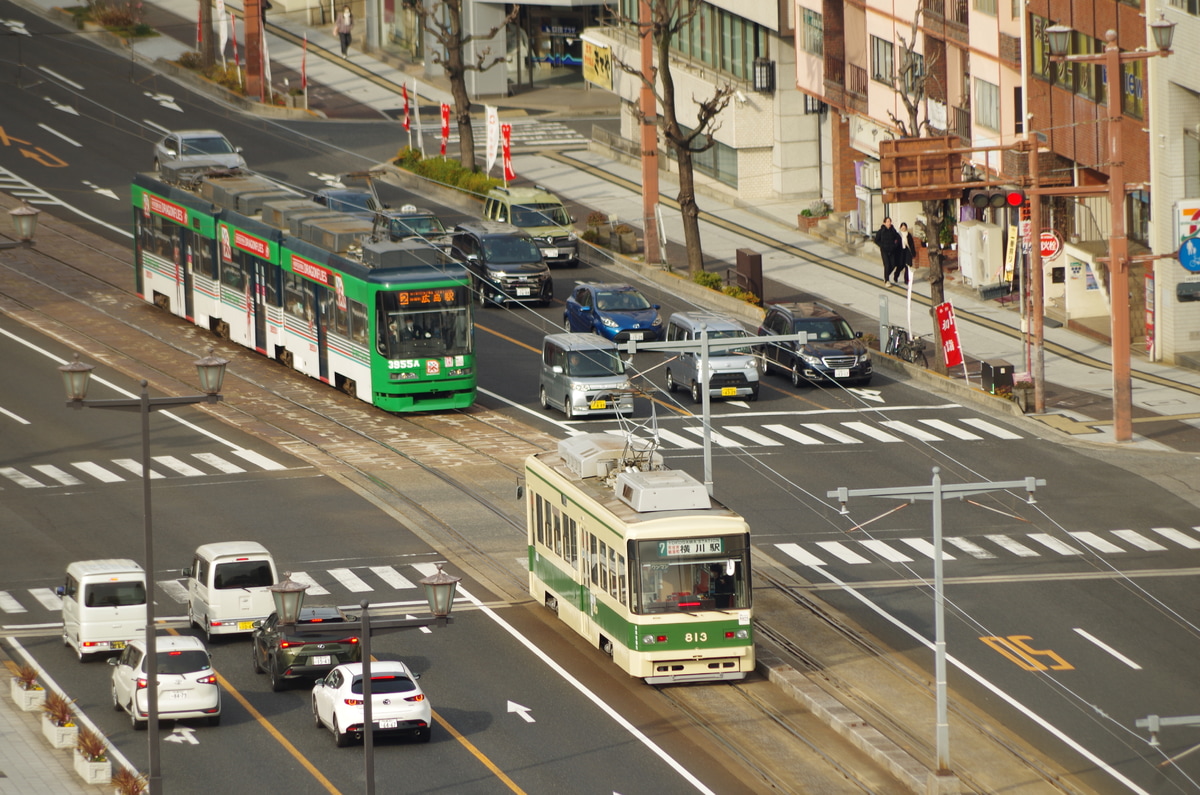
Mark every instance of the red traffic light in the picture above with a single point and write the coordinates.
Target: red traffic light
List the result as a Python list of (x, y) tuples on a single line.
[(1014, 198)]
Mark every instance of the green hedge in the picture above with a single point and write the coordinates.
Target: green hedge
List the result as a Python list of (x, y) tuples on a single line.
[(446, 171)]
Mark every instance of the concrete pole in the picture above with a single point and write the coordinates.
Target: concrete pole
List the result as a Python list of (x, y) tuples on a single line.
[(649, 115), (1037, 299), (1118, 249)]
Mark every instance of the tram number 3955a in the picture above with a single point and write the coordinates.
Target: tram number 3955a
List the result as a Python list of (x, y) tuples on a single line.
[(695, 637)]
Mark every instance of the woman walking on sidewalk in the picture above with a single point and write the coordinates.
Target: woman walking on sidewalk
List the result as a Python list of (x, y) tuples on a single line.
[(904, 260), (888, 240), (342, 28)]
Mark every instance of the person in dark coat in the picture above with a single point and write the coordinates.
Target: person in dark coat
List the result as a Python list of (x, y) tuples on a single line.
[(908, 252), (889, 242)]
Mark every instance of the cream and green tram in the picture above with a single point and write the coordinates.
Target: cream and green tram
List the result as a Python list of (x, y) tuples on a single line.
[(640, 560)]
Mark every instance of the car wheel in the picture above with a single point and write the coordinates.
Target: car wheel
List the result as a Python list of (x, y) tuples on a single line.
[(754, 393), (697, 396), (138, 725), (542, 398), (214, 720), (254, 664), (424, 734), (567, 409), (277, 680), (567, 322), (316, 716), (339, 739), (116, 701), (157, 165), (797, 379), (671, 385)]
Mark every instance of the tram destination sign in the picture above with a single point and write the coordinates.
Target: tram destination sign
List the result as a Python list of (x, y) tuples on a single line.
[(691, 546)]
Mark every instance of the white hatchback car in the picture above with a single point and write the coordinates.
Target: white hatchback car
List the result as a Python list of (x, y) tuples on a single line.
[(202, 147), (187, 683), (397, 701)]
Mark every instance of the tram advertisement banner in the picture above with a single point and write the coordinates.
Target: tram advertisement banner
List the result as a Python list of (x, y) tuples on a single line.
[(948, 329)]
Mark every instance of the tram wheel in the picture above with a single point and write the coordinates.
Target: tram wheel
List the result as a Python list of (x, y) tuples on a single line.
[(287, 359), (606, 646), (162, 302), (552, 604)]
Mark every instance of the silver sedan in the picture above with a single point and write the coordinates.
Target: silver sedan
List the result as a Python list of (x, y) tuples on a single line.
[(199, 147)]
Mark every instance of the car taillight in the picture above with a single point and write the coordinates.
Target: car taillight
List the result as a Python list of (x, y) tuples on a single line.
[(351, 641), (211, 679), (354, 702), (416, 698), (142, 683), (290, 644)]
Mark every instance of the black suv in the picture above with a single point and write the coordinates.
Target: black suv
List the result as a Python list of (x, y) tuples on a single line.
[(504, 261), (834, 351), (287, 656)]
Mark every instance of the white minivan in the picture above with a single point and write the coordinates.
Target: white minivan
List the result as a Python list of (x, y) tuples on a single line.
[(103, 605), (228, 586)]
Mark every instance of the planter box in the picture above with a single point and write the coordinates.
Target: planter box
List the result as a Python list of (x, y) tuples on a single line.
[(93, 772), (59, 736), (808, 222), (27, 700)]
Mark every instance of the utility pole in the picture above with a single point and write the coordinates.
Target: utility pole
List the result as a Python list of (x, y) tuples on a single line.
[(648, 107)]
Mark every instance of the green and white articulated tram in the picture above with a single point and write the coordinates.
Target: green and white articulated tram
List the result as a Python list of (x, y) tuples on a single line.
[(267, 268), (640, 560)]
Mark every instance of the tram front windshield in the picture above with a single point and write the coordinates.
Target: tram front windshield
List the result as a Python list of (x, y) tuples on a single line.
[(424, 323), (691, 574)]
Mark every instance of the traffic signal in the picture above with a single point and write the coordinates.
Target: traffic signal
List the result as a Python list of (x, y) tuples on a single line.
[(996, 197)]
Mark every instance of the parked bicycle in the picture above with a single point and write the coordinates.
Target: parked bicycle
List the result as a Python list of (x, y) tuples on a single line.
[(910, 349)]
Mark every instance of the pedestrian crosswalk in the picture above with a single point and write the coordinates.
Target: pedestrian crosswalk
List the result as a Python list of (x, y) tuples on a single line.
[(970, 429), (992, 546), (116, 470)]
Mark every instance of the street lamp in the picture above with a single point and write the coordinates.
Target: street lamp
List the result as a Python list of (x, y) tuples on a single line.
[(440, 588), (24, 221), (76, 377), (1059, 38)]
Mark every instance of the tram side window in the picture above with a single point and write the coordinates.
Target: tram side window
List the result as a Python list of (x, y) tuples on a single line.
[(538, 506), (233, 276), (337, 319), (612, 572), (595, 557), (621, 580), (297, 298), (270, 284), (570, 542), (558, 532), (358, 322), (603, 566), (203, 262)]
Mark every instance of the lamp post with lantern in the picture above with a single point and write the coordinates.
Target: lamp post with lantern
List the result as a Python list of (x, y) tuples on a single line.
[(24, 221), (1112, 58), (76, 377), (440, 588)]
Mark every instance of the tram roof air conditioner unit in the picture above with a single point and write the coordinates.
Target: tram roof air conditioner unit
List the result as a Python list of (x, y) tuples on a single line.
[(338, 234), (595, 455), (403, 253), (276, 212), (663, 490)]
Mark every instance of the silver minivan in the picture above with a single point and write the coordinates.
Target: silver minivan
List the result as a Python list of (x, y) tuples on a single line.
[(583, 374), (735, 371)]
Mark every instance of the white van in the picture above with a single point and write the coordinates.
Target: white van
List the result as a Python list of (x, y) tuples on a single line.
[(583, 374), (735, 371), (103, 605), (227, 586)]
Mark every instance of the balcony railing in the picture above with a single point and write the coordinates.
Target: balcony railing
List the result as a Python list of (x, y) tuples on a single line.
[(958, 10), (960, 122), (935, 8), (856, 80)]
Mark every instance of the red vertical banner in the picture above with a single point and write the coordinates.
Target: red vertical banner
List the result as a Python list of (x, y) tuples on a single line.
[(948, 331), (199, 29), (304, 65), (445, 126), (506, 152), (404, 91)]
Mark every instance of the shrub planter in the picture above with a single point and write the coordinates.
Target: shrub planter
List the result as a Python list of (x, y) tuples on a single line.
[(93, 772), (27, 700), (59, 736), (627, 242), (808, 222)]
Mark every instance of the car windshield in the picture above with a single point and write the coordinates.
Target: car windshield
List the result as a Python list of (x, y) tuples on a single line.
[(417, 225), (381, 685), (183, 662), (540, 215), (349, 202), (593, 364), (511, 251), (825, 329), (331, 616), (210, 145), (727, 335), (621, 301), (243, 574)]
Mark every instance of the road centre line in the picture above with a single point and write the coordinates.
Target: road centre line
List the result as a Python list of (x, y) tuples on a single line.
[(53, 131), (1107, 648), (8, 413), (59, 77)]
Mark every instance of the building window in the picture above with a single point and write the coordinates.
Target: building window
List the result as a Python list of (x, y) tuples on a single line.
[(1139, 217), (1190, 6), (882, 65), (986, 7), (814, 32), (719, 39), (912, 69), (1191, 163), (987, 105), (719, 161)]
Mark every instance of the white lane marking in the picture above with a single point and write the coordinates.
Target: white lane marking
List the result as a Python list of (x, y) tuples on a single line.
[(800, 555), (350, 581), (59, 77), (1108, 649), (182, 467), (920, 434), (9, 603), (313, 589), (844, 553), (63, 477), (21, 479), (867, 429), (1138, 540), (63, 108), (718, 438), (395, 578), (16, 417), (970, 547), (102, 191), (98, 472), (1012, 545), (53, 131), (831, 433), (794, 435), (678, 441), (752, 435), (175, 589), (257, 459), (218, 463), (925, 547), (885, 551), (1054, 544), (158, 127), (135, 467), (875, 395), (951, 430), (1180, 538), (1096, 542), (988, 427), (48, 598)]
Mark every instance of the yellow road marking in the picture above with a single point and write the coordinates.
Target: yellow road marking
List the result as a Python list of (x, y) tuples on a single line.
[(497, 772)]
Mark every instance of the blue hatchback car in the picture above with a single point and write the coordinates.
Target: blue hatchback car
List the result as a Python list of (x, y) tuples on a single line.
[(615, 311)]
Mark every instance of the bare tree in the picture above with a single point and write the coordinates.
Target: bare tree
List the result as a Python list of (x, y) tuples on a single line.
[(444, 21), (668, 18)]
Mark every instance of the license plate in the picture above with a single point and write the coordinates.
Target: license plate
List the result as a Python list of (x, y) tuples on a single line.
[(245, 625), (389, 724), (321, 659), (597, 405), (550, 252), (176, 695), (523, 291), (841, 372), (728, 391), (636, 335), (118, 644)]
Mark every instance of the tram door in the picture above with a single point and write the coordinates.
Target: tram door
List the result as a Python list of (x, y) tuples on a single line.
[(260, 273), (322, 295), (191, 242)]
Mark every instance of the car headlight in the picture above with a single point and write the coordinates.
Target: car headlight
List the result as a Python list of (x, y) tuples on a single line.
[(608, 321), (495, 275), (571, 238), (810, 358), (657, 320)]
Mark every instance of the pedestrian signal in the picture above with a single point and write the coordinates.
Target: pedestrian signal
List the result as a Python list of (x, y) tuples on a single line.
[(996, 197)]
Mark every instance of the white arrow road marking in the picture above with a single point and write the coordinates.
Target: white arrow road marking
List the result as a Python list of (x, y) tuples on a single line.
[(16, 26), (331, 180), (183, 734), (53, 131), (102, 191), (61, 79), (522, 711), (63, 108), (867, 394), (166, 100)]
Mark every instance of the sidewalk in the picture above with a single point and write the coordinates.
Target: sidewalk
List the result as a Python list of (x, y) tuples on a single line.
[(27, 762)]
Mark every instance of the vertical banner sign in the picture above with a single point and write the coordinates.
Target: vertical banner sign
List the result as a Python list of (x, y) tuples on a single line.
[(404, 92), (304, 66), (506, 149), (948, 330), (492, 137), (445, 126), (268, 89), (1150, 314), (1010, 254), (222, 29), (420, 134), (236, 63), (199, 29)]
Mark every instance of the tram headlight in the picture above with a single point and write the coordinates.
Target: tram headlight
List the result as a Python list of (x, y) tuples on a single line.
[(647, 640)]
